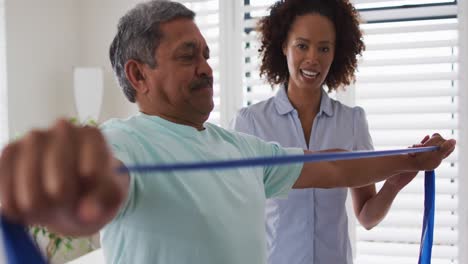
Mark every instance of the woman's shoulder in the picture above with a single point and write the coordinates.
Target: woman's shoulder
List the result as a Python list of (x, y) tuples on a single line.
[(341, 109), (259, 108)]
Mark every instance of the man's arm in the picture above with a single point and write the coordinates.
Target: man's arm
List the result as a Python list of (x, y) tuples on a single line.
[(361, 172), (62, 178)]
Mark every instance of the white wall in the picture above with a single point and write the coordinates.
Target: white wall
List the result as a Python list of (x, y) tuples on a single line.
[(97, 27), (42, 46), (45, 40)]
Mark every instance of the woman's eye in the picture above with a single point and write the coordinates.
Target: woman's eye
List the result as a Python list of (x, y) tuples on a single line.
[(325, 49), (301, 46)]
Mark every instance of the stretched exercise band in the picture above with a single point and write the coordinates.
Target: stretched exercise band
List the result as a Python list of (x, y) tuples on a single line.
[(262, 161), (425, 249), (20, 249)]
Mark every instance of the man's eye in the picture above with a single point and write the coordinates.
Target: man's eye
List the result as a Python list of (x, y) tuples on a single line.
[(186, 57)]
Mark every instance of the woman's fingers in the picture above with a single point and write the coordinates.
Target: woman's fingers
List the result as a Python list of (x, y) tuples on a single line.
[(448, 147)]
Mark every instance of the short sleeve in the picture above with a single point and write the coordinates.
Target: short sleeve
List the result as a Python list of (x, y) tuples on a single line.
[(243, 122), (363, 139), (119, 142), (277, 179)]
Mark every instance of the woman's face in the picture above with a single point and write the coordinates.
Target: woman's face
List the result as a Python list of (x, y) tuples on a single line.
[(309, 50)]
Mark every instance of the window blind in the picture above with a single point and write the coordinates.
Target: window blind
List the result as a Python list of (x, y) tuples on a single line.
[(255, 88), (408, 85)]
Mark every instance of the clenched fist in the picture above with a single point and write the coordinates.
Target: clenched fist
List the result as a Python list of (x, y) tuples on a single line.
[(62, 178)]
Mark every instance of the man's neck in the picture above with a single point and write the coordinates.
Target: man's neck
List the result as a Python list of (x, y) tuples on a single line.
[(183, 121), (178, 119)]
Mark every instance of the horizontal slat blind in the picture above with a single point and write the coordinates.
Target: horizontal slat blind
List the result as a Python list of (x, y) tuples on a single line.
[(256, 88), (207, 19), (408, 85)]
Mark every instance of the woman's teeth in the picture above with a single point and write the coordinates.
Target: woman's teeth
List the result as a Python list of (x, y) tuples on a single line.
[(309, 74)]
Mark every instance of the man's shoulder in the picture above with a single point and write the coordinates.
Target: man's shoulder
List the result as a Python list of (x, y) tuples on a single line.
[(240, 139), (225, 133), (123, 130), (118, 123)]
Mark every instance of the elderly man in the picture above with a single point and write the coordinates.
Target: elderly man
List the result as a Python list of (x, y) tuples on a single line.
[(64, 177)]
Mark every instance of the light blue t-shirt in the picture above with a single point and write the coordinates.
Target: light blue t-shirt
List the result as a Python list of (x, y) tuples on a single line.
[(197, 217), (311, 226)]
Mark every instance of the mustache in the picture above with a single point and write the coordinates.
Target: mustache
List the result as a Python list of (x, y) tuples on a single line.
[(201, 83)]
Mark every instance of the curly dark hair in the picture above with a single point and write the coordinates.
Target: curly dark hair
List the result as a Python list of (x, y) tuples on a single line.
[(274, 30)]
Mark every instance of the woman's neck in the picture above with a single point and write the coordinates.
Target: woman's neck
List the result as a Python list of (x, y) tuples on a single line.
[(307, 104), (305, 100)]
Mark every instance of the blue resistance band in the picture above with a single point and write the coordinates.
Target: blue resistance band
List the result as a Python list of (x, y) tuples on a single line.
[(20, 248), (427, 234), (263, 161)]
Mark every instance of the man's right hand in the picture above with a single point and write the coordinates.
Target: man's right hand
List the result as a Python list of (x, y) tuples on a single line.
[(62, 178)]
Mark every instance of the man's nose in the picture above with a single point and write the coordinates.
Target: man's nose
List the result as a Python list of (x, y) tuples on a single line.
[(204, 68)]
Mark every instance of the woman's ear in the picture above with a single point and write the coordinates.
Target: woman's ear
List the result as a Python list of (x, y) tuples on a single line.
[(135, 72)]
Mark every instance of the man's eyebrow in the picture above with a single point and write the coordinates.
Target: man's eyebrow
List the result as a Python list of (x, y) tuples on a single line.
[(187, 46)]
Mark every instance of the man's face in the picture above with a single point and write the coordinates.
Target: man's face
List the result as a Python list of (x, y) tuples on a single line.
[(181, 85)]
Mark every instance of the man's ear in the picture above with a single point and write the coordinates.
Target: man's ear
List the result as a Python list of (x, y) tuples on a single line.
[(135, 72)]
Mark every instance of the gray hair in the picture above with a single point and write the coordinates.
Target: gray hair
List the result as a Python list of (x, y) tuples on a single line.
[(139, 35)]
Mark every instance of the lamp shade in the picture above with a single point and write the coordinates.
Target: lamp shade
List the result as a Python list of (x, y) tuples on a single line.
[(88, 90)]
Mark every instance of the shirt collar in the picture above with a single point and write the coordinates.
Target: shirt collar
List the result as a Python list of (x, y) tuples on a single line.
[(284, 106)]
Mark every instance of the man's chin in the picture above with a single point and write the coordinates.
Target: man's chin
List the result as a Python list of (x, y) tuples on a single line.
[(201, 109), (208, 111)]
